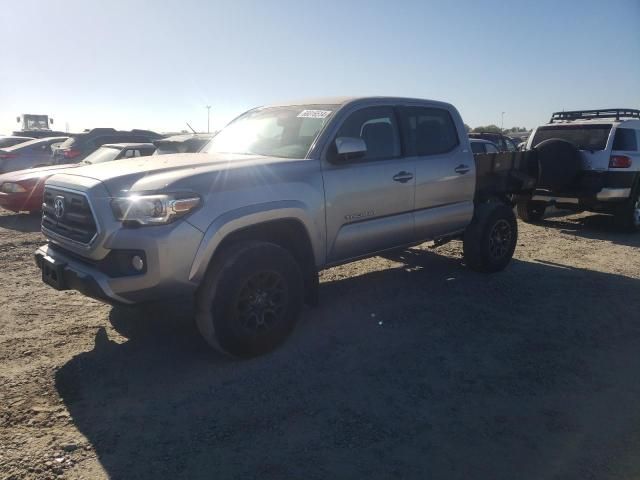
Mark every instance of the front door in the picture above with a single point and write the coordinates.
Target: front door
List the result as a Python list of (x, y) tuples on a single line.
[(369, 201)]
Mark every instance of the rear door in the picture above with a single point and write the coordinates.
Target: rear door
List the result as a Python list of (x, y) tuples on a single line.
[(445, 169), (369, 201)]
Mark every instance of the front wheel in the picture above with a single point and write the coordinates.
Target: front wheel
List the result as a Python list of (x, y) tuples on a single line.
[(250, 298), (490, 239)]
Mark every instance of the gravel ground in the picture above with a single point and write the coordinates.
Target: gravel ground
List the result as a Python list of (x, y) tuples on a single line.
[(412, 367)]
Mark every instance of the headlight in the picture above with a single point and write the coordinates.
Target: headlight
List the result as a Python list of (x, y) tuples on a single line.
[(10, 187), (153, 209)]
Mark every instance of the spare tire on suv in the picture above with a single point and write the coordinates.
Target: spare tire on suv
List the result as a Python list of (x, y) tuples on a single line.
[(558, 163)]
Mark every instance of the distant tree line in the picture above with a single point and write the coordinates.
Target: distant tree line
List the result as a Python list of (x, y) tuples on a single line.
[(494, 129)]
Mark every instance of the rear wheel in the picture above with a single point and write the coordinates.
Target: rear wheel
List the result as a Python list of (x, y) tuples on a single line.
[(530, 211), (490, 239), (628, 215), (250, 299)]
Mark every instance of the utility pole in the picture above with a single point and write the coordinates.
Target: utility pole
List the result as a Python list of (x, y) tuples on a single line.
[(208, 116), (502, 123)]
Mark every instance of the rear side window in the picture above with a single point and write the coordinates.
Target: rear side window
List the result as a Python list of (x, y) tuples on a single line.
[(626, 140), (378, 128), (428, 131)]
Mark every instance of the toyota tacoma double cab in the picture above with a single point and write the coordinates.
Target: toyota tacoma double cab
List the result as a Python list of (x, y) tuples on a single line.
[(588, 160), (284, 191)]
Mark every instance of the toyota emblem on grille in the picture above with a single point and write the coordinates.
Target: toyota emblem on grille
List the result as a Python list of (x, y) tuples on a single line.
[(58, 207)]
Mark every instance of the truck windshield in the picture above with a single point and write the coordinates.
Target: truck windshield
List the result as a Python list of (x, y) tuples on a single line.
[(584, 137), (285, 132)]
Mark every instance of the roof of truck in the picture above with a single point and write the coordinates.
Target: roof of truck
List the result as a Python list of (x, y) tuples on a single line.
[(346, 99)]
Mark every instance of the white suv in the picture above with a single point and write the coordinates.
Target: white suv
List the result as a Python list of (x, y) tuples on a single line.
[(588, 160)]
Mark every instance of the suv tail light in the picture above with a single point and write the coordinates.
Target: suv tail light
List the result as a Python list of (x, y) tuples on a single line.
[(5, 156), (70, 153), (619, 161)]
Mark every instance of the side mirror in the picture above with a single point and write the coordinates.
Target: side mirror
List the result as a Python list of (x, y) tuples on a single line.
[(51, 121), (18, 119), (348, 148)]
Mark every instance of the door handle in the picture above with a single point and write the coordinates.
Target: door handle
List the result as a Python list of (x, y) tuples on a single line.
[(461, 169), (402, 177)]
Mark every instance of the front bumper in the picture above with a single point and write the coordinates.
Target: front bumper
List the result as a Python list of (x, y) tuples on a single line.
[(65, 274), (168, 252)]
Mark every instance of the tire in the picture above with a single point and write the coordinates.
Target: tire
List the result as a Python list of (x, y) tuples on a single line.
[(627, 217), (490, 239), (558, 164), (250, 299), (529, 211)]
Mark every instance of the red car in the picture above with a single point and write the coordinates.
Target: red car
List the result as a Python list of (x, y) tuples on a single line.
[(22, 190)]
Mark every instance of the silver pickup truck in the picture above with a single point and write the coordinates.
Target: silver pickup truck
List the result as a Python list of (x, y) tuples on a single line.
[(281, 193)]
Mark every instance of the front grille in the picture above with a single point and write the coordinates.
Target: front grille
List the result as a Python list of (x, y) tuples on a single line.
[(68, 215)]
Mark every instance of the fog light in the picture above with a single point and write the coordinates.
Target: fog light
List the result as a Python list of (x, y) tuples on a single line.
[(137, 263)]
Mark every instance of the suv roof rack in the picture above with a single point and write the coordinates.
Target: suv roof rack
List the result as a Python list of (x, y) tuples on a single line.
[(616, 113)]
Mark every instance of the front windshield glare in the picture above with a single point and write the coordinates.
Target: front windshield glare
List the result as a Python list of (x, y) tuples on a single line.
[(286, 132)]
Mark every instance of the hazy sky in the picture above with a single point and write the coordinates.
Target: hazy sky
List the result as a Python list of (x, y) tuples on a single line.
[(156, 64)]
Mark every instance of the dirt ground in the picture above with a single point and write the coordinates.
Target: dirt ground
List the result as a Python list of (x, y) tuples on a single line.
[(412, 367)]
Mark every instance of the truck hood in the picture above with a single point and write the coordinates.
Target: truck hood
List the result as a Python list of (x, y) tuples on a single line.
[(162, 172)]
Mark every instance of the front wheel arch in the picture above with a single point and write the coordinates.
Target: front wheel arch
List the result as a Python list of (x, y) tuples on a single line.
[(289, 233)]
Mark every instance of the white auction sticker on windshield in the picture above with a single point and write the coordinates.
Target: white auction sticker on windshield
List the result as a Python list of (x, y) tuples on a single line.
[(314, 114)]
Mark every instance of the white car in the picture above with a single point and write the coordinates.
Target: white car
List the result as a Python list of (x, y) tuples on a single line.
[(591, 163)]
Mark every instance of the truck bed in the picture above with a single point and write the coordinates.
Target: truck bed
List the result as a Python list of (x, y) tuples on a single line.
[(505, 173)]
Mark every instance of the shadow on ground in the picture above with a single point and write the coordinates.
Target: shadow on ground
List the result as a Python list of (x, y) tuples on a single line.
[(21, 222), (425, 370), (595, 226)]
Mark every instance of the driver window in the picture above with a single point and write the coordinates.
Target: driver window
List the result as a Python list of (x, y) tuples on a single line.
[(378, 128)]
